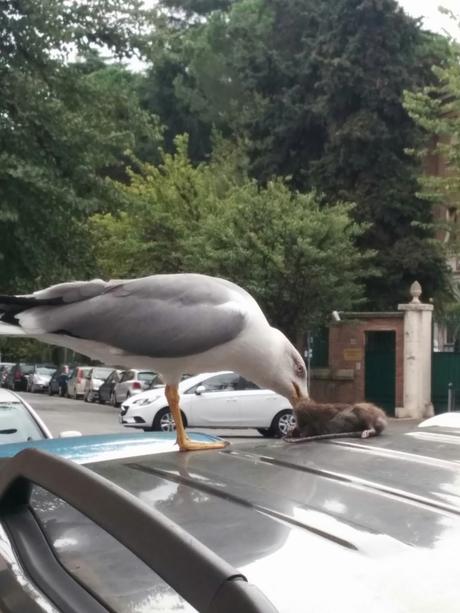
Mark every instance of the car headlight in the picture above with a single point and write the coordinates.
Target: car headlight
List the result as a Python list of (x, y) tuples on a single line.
[(143, 401)]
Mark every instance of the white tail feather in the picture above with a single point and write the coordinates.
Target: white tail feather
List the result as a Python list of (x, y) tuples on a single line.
[(9, 330)]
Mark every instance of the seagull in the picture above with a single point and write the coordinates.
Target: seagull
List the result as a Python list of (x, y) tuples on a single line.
[(172, 323)]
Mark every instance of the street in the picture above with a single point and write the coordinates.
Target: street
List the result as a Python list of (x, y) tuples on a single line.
[(62, 414)]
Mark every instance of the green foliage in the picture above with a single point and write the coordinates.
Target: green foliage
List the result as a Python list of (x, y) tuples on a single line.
[(297, 258), (436, 109), (62, 127), (314, 90)]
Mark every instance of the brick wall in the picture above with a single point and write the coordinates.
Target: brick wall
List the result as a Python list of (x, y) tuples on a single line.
[(344, 380)]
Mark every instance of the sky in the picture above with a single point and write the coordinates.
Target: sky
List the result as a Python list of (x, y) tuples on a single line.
[(432, 18)]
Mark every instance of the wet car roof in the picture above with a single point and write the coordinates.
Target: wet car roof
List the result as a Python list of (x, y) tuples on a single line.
[(350, 526), (343, 525)]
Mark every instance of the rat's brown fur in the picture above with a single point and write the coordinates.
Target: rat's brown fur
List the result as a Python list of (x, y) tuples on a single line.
[(316, 419)]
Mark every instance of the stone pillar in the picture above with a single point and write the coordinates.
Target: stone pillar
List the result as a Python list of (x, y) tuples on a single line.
[(417, 357)]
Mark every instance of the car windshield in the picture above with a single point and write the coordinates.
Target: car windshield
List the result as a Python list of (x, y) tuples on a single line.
[(27, 368), (101, 373), (45, 370), (146, 376), (16, 424)]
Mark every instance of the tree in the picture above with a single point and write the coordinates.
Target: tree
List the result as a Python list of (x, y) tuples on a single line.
[(436, 109), (295, 256), (314, 89), (59, 130)]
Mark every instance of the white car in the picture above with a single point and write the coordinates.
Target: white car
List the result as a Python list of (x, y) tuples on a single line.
[(77, 381), (39, 379), (132, 382), (94, 379), (20, 423), (212, 400)]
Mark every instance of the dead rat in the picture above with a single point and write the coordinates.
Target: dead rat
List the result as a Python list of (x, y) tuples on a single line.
[(335, 420)]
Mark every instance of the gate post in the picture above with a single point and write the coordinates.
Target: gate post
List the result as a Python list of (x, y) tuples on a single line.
[(417, 357)]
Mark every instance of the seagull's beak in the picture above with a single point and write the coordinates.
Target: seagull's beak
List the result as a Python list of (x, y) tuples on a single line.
[(296, 396)]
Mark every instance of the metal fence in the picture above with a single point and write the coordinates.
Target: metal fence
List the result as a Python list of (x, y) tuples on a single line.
[(445, 381)]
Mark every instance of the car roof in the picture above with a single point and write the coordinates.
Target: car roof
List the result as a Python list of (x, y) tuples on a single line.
[(333, 525), (8, 396), (348, 525), (102, 447)]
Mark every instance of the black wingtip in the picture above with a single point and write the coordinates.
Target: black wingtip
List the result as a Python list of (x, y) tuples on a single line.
[(10, 306)]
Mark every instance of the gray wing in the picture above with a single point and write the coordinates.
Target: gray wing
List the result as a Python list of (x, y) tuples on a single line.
[(159, 316)]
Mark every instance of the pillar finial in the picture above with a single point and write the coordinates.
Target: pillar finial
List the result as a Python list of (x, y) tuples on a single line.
[(415, 292)]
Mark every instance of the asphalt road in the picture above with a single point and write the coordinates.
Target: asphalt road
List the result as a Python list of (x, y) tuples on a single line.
[(62, 414)]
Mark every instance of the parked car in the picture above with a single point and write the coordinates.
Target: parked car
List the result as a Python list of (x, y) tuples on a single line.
[(349, 525), (17, 376), (39, 379), (58, 381), (131, 382), (94, 379), (4, 370), (18, 420), (106, 389), (212, 400), (77, 381)]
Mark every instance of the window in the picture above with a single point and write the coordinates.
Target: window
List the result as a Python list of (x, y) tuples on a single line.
[(146, 376), (17, 424), (99, 562), (221, 383), (101, 373), (244, 384), (45, 370)]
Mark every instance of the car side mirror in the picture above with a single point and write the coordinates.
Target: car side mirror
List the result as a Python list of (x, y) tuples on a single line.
[(200, 390), (69, 433)]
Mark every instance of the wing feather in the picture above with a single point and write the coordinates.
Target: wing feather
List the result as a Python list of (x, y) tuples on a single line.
[(159, 316)]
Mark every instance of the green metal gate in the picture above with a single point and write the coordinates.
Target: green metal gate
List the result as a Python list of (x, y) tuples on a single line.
[(445, 369), (380, 369)]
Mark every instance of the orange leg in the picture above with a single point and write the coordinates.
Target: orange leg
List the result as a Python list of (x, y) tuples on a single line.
[(185, 444)]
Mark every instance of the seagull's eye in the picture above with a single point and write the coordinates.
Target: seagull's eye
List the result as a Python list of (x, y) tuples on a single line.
[(299, 369)]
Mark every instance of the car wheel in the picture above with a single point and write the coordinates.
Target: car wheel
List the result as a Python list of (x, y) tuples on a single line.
[(164, 422), (266, 432), (282, 423)]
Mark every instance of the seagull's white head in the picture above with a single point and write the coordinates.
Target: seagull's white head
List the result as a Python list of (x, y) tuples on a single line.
[(280, 367)]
